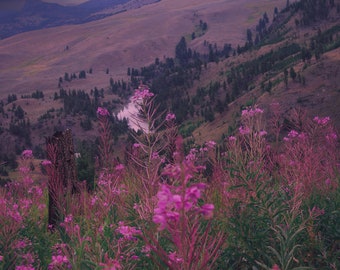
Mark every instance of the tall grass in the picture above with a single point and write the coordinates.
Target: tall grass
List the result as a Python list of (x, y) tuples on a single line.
[(265, 198)]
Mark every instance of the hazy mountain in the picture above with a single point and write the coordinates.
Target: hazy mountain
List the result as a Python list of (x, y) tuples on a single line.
[(36, 14)]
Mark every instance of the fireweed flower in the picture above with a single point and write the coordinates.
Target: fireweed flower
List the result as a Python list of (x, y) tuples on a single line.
[(142, 94), (170, 116), (232, 138), (174, 258), (316, 212), (322, 121), (170, 205), (293, 134), (136, 145), (127, 231), (192, 155), (68, 218), (58, 261), (46, 163), (331, 137), (146, 250), (193, 193), (20, 244), (251, 112), (27, 154), (207, 210), (102, 111), (244, 130), (263, 133), (210, 144), (119, 167)]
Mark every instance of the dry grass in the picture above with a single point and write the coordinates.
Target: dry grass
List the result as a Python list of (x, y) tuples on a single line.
[(35, 60)]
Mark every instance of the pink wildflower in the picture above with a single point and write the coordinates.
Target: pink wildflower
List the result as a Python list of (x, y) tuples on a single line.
[(192, 154), (302, 136), (29, 258), (275, 267), (331, 137), (316, 212), (322, 121), (293, 134), (155, 155), (102, 111), (27, 154), (232, 138), (134, 257), (1, 258), (210, 144), (136, 145), (58, 261), (20, 244), (146, 249), (46, 162), (141, 94), (193, 193), (244, 130), (159, 219), (68, 218), (127, 231), (207, 210), (174, 258), (263, 133), (170, 116), (119, 167), (251, 112)]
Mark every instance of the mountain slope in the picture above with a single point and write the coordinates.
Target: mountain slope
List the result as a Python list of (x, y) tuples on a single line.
[(36, 14), (251, 74), (36, 59)]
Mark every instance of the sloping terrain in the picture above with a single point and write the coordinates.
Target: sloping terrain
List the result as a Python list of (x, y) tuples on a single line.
[(36, 14), (36, 60)]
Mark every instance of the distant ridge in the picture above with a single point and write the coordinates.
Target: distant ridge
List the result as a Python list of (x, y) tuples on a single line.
[(36, 14)]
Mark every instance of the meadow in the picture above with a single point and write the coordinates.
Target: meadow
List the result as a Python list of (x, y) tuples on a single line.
[(266, 197)]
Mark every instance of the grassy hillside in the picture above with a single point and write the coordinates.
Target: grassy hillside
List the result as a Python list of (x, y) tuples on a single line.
[(208, 97)]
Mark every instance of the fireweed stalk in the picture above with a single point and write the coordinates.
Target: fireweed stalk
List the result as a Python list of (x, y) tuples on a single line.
[(179, 213), (309, 158), (105, 145), (151, 150), (244, 163), (183, 219), (21, 203)]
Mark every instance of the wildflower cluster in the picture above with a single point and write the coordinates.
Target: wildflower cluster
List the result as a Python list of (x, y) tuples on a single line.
[(142, 93), (171, 205), (263, 198)]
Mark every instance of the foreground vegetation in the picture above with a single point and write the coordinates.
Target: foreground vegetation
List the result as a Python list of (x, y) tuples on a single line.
[(265, 198)]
